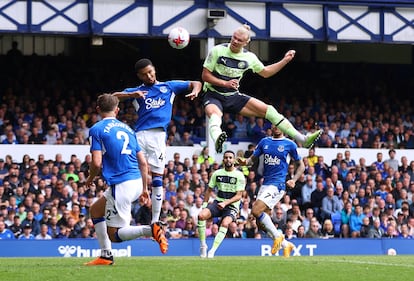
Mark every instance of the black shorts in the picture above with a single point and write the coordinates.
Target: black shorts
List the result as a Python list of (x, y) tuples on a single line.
[(228, 211), (231, 104)]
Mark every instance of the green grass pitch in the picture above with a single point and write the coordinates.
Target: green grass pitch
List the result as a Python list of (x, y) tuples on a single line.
[(333, 268)]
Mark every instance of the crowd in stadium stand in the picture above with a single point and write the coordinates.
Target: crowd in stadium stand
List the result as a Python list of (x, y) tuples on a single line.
[(52, 101)]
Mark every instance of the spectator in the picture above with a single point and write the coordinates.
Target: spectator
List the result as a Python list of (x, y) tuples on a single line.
[(204, 156), (355, 222), (390, 232), (190, 228), (27, 233), (321, 168), (43, 235), (173, 232), (330, 204), (312, 157), (53, 228), (240, 124), (365, 228), (34, 224), (350, 163), (307, 190), (328, 230), (185, 140), (392, 162), (404, 232), (301, 232), (314, 230), (16, 227), (85, 233), (376, 231), (234, 231), (379, 164), (182, 220), (316, 198)]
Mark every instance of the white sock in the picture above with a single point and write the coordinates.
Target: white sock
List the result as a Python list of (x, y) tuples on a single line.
[(103, 238), (268, 224), (132, 232), (157, 193), (285, 243), (214, 125)]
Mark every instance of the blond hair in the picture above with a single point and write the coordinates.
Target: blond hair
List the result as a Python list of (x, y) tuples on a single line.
[(245, 29)]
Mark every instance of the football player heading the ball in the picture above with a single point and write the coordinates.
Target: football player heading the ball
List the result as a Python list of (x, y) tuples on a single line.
[(153, 103), (223, 69), (275, 150)]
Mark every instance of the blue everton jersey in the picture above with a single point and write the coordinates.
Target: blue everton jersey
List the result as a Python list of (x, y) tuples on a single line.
[(154, 111), (119, 147), (275, 152)]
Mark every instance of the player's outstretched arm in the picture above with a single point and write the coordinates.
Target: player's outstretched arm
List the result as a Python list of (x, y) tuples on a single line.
[(123, 95), (299, 171), (195, 87), (274, 68)]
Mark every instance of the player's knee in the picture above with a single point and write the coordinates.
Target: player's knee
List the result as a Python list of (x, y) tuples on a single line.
[(113, 235), (256, 212), (202, 216)]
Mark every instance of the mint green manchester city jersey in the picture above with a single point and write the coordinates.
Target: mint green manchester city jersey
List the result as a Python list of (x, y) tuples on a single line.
[(227, 183), (226, 65)]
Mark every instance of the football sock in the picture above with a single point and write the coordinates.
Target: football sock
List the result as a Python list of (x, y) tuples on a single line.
[(156, 199), (132, 232), (202, 232), (102, 235), (214, 124), (283, 124), (285, 243), (219, 238), (266, 221)]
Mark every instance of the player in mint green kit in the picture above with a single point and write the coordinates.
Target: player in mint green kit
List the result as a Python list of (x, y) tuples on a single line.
[(230, 183), (222, 71)]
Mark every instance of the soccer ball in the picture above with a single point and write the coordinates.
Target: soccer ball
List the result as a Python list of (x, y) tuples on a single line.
[(392, 252), (178, 38)]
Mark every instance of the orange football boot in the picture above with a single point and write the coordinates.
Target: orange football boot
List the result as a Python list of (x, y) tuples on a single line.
[(101, 261), (158, 235)]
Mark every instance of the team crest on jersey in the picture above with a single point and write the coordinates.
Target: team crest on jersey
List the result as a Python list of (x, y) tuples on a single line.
[(266, 147), (241, 65), (281, 148), (163, 89)]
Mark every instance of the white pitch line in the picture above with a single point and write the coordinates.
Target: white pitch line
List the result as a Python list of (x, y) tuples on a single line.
[(367, 262)]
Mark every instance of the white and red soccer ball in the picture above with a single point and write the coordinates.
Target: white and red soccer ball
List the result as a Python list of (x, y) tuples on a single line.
[(178, 38)]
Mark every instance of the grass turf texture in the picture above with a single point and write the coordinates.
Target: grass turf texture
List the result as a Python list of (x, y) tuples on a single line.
[(333, 268)]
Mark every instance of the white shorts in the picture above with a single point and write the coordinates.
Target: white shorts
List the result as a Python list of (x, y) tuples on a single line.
[(152, 143), (270, 195), (118, 202)]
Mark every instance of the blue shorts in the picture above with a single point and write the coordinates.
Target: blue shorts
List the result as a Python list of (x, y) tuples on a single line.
[(232, 104)]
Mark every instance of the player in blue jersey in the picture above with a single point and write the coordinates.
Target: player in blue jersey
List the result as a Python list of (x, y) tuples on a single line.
[(116, 153), (275, 150), (153, 102), (223, 68)]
